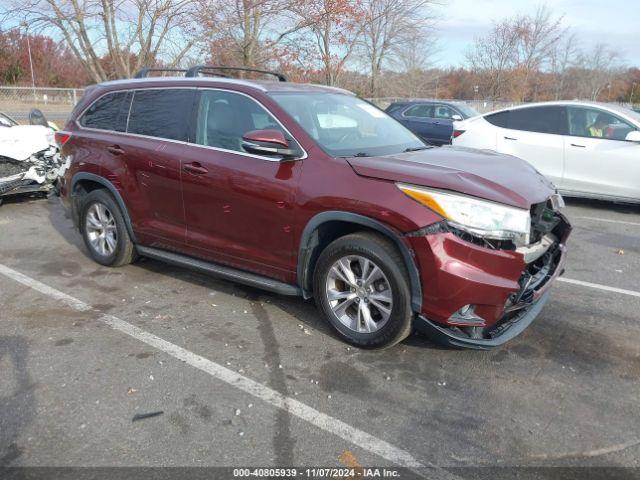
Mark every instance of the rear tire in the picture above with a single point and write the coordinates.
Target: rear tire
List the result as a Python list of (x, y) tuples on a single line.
[(362, 286), (104, 230)]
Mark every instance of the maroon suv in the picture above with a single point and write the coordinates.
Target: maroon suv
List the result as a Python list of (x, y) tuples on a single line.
[(309, 190)]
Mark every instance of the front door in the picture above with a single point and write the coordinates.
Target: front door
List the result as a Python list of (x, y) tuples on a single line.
[(238, 206)]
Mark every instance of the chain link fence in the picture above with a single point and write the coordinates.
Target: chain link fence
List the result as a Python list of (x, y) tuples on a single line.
[(55, 103)]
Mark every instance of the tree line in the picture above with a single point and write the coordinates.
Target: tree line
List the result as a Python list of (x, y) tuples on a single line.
[(374, 47)]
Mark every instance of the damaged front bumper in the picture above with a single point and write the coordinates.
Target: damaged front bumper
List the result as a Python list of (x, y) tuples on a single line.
[(480, 295), (38, 173)]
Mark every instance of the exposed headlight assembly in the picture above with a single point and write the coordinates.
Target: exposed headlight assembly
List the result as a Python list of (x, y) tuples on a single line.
[(478, 217)]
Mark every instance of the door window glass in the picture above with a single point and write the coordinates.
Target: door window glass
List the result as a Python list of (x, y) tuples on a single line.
[(596, 123), (109, 112), (537, 119), (162, 113), (224, 117), (420, 111), (443, 112)]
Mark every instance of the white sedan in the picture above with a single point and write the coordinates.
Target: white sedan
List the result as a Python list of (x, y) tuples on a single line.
[(587, 149)]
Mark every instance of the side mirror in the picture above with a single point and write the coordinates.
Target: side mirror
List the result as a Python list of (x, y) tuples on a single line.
[(269, 143), (455, 117), (633, 136)]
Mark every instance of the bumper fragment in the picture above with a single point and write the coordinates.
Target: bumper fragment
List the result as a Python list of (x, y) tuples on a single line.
[(515, 327)]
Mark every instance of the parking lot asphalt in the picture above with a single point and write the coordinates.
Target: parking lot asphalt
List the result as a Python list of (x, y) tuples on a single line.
[(246, 377)]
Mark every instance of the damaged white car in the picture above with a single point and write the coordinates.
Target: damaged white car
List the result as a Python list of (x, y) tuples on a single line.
[(29, 157)]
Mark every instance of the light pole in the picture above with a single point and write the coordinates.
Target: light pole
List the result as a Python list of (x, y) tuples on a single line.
[(33, 78)]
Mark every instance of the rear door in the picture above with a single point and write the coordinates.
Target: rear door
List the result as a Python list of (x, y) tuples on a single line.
[(151, 152), (602, 166), (419, 119), (535, 134), (239, 206), (443, 123), (101, 127)]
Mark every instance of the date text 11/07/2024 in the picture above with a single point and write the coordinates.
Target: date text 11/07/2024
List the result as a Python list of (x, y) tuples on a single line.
[(337, 473)]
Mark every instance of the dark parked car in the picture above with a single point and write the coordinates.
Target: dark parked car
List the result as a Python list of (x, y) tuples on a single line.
[(308, 190), (431, 120)]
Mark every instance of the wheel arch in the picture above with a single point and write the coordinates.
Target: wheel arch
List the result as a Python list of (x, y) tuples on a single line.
[(325, 227), (90, 181)]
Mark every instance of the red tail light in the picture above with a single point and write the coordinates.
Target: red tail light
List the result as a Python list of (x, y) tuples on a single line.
[(457, 133), (61, 138)]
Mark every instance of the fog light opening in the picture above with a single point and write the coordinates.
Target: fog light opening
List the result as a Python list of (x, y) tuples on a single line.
[(466, 316)]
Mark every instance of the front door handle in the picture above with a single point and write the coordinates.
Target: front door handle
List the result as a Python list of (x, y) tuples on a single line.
[(115, 150), (576, 145), (195, 168), (510, 138)]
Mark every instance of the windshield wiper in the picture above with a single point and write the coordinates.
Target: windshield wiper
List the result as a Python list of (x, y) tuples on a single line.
[(361, 154), (415, 149)]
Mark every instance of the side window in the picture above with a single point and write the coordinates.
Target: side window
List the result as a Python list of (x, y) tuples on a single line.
[(162, 113), (538, 119), (443, 112), (224, 117), (108, 112), (499, 119), (595, 123), (420, 111)]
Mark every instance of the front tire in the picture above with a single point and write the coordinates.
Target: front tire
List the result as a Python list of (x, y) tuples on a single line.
[(361, 285), (104, 230)]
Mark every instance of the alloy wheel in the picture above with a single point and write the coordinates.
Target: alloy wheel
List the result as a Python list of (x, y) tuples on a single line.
[(101, 230), (359, 294)]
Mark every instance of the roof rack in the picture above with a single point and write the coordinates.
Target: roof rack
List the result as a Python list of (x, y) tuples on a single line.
[(194, 71), (144, 73)]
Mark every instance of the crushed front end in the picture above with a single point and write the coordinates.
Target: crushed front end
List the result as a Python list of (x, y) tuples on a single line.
[(38, 173), (480, 293)]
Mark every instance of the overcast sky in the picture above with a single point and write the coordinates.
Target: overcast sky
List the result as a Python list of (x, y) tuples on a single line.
[(615, 22)]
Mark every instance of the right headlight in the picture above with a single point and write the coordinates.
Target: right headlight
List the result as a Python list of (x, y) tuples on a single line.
[(479, 217)]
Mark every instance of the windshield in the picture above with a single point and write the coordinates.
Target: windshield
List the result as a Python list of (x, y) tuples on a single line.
[(467, 110), (346, 126)]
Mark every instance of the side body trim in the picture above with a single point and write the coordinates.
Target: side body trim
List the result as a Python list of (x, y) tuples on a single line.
[(217, 270)]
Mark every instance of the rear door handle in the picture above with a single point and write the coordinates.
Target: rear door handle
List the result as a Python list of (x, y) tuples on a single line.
[(195, 168), (510, 138), (576, 145), (115, 150)]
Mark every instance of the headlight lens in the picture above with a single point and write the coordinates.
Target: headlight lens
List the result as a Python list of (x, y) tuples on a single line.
[(478, 217)]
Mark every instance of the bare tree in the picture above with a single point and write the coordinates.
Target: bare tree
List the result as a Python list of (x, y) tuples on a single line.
[(251, 29), (124, 34), (390, 25), (564, 57), (510, 57), (492, 57), (596, 71)]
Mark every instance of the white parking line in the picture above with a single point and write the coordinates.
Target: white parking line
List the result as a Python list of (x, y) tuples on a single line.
[(321, 420), (599, 287), (607, 220)]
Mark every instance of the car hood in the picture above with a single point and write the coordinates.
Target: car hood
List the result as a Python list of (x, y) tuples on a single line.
[(22, 141), (489, 175)]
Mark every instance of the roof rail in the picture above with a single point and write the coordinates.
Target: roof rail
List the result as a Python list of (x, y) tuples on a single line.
[(194, 71), (144, 73)]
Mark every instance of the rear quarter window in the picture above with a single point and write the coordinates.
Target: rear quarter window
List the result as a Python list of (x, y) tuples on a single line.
[(499, 119), (109, 112), (162, 113)]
